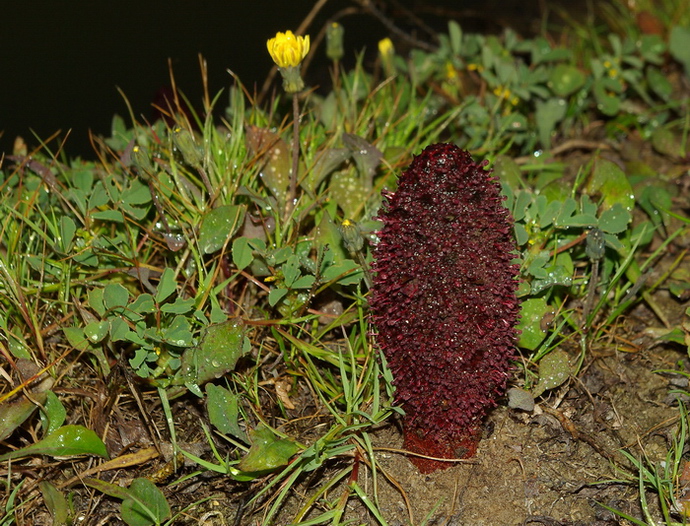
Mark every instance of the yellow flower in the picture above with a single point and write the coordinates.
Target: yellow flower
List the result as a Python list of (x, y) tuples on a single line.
[(387, 53), (504, 93), (288, 50), (386, 48)]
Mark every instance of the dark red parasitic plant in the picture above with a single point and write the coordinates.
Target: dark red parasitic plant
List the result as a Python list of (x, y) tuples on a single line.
[(444, 301)]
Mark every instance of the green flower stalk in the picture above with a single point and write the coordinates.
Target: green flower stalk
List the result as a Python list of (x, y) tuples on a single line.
[(288, 52)]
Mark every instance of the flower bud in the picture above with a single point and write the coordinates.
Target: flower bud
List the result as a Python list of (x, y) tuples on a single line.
[(334, 41), (142, 162), (352, 236), (386, 53), (183, 141)]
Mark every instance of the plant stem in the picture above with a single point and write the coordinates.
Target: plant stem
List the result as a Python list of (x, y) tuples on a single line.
[(292, 192)]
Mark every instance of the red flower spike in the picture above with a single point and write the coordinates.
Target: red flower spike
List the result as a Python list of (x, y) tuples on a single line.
[(444, 300)]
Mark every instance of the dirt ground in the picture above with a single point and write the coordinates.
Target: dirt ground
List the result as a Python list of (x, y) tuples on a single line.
[(553, 465)]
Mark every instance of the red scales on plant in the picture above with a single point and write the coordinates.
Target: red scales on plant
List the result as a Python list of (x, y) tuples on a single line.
[(444, 300)]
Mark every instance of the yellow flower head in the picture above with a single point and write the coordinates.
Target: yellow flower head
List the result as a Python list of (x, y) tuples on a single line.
[(386, 48), (288, 50)]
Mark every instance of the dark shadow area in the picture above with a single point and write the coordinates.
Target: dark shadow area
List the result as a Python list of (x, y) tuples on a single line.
[(63, 61)]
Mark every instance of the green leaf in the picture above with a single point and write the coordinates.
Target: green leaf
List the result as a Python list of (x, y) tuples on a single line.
[(346, 273), (508, 172), (137, 194), (305, 282), (109, 215), (325, 163), (347, 189), (118, 329), (291, 270), (272, 155), (533, 311), (554, 370), (166, 286), (143, 304), (565, 211), (113, 490), (667, 143), (367, 156), (560, 273), (65, 442), (95, 300), (99, 197), (56, 503), (608, 102), (220, 348), (76, 338), (217, 313), (145, 504), (615, 220), (613, 185), (522, 201), (55, 412), (218, 226), (455, 36), (179, 306), (655, 201), (96, 331), (267, 452), (548, 114), (223, 411), (652, 48), (566, 79), (87, 258), (67, 230), (328, 234), (536, 266), (679, 46), (178, 333), (115, 295), (521, 234), (580, 221), (275, 296), (659, 83), (242, 253), (14, 414)]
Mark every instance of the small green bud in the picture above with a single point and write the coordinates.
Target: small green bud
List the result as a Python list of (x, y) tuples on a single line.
[(142, 162), (334, 41), (596, 244), (352, 236), (184, 141)]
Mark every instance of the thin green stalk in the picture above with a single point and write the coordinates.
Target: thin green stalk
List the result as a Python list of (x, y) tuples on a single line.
[(292, 192)]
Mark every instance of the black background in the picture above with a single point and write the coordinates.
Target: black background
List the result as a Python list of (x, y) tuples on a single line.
[(61, 61)]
